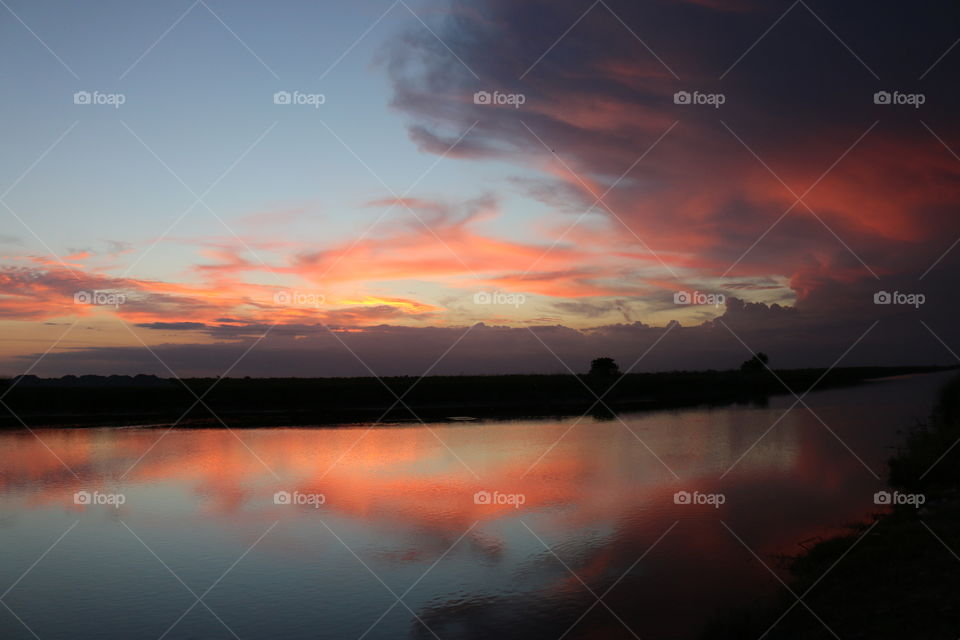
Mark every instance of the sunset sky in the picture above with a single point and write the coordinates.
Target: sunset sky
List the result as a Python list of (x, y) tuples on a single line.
[(394, 222)]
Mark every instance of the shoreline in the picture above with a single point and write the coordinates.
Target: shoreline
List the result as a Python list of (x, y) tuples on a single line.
[(148, 402), (887, 578)]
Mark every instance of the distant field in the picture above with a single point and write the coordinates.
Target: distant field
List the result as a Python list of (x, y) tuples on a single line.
[(247, 402)]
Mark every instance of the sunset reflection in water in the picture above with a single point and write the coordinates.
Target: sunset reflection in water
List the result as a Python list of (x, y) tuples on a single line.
[(399, 510)]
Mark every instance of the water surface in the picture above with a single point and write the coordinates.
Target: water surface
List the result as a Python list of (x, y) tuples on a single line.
[(391, 540)]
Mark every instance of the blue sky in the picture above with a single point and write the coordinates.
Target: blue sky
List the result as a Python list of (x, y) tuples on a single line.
[(198, 99)]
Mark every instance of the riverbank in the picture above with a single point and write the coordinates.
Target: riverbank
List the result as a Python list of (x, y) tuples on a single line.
[(895, 577), (253, 402)]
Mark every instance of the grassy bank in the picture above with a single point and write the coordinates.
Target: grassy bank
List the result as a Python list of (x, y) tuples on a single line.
[(77, 401), (896, 577)]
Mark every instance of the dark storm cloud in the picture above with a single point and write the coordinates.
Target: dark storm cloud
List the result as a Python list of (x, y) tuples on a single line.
[(799, 99), (718, 195)]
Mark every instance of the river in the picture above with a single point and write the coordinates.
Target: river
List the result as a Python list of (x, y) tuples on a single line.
[(519, 529)]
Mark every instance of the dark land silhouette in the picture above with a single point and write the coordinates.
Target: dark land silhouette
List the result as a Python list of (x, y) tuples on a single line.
[(895, 577), (251, 402)]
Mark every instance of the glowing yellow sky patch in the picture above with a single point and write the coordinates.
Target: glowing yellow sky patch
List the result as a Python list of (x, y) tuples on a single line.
[(410, 306)]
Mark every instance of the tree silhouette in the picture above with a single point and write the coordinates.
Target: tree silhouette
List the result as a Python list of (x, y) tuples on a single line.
[(755, 364), (604, 367)]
